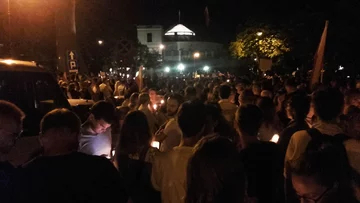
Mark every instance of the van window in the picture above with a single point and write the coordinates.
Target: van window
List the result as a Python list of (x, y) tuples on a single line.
[(35, 93)]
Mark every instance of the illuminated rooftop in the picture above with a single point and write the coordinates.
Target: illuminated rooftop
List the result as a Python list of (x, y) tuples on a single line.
[(180, 29)]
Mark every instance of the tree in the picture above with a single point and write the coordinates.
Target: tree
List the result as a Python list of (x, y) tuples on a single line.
[(258, 43), (146, 57)]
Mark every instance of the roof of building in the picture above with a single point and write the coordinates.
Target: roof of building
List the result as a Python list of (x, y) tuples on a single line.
[(180, 29)]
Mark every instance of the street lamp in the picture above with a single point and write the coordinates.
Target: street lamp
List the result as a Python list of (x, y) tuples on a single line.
[(196, 55), (181, 67), (259, 34), (206, 68), (167, 69), (100, 42)]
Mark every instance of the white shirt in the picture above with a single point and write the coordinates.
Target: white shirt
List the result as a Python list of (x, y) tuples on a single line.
[(173, 136), (98, 145)]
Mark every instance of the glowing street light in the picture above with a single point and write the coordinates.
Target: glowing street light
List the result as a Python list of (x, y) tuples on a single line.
[(100, 42), (196, 55), (161, 47), (206, 68), (167, 69), (181, 67), (259, 34)]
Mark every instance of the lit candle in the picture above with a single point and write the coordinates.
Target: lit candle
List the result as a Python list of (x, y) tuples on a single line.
[(275, 138), (155, 144)]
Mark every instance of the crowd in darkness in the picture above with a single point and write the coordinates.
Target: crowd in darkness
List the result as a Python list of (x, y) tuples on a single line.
[(208, 140)]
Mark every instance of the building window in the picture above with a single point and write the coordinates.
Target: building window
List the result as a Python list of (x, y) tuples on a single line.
[(149, 37)]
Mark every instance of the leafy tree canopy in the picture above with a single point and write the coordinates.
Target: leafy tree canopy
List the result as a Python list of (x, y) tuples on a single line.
[(258, 43)]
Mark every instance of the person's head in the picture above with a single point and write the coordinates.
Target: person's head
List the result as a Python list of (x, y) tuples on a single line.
[(102, 115), (190, 93), (144, 99), (134, 98), (353, 122), (352, 98), (59, 132), (248, 120), (121, 112), (192, 119), (247, 97), (328, 104), (214, 172), (322, 172), (290, 85), (11, 118), (153, 95), (224, 91), (268, 108), (256, 89), (134, 134), (94, 81), (266, 93), (298, 106), (240, 87), (173, 103)]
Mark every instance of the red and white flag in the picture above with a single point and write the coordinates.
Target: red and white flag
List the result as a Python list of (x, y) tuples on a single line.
[(207, 16), (319, 57)]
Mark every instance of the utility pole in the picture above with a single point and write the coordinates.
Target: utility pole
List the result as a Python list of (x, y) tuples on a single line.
[(68, 53), (9, 29)]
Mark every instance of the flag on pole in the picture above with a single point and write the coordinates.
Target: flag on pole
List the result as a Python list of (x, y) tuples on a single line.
[(207, 17), (319, 57), (139, 79)]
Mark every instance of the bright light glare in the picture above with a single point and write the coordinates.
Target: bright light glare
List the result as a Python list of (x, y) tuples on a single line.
[(167, 69), (162, 101), (181, 67), (348, 76), (100, 42), (196, 55), (206, 68), (161, 47), (127, 76), (8, 61), (341, 67), (227, 80), (275, 138), (259, 34), (155, 106), (155, 144)]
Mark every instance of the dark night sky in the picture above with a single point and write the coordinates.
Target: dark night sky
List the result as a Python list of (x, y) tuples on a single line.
[(301, 21)]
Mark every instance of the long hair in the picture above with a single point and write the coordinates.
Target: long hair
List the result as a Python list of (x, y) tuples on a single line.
[(134, 134), (215, 174)]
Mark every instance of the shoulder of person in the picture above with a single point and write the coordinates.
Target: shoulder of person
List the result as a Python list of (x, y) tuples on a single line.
[(300, 135)]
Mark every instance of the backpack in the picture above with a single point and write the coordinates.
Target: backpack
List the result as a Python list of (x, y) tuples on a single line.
[(316, 134)]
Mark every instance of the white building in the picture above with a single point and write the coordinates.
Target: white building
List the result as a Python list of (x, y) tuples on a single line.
[(179, 44), (151, 36)]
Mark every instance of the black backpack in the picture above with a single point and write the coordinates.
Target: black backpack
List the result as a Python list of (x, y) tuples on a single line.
[(316, 134)]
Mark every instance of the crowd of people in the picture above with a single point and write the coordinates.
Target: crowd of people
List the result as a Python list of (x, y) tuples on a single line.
[(209, 140)]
